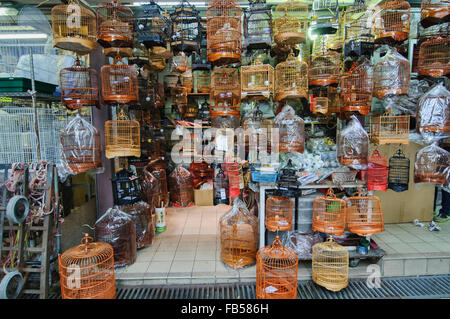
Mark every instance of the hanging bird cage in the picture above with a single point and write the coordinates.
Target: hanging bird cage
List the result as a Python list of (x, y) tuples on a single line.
[(122, 137), (353, 145), (126, 188), (112, 52), (186, 28), (364, 215), (141, 213), (391, 22), (398, 178), (324, 69), (149, 188), (258, 134), (115, 25), (377, 172), (94, 265), (291, 129), (191, 110), (325, 17), (187, 80), (200, 60), (179, 96), (279, 213), (203, 82), (225, 93), (358, 36), (290, 22), (291, 79), (432, 165), (257, 80), (152, 25), (276, 272), (434, 57), (330, 265), (389, 129), (74, 33), (257, 26), (319, 105), (434, 12), (157, 58), (329, 214), (356, 88), (119, 83), (181, 187), (223, 19)]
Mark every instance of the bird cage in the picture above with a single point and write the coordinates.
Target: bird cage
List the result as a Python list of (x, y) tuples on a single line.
[(324, 16), (191, 110), (158, 169), (353, 145), (79, 86), (257, 80), (291, 79), (149, 185), (112, 52), (398, 178), (181, 187), (186, 28), (119, 83), (276, 272), (357, 25), (200, 60), (434, 57), (118, 229), (187, 80), (157, 58), (290, 22), (319, 105), (291, 130), (74, 33), (141, 213), (201, 173), (279, 213), (330, 265), (329, 214), (434, 12), (223, 20), (377, 172), (152, 25), (93, 267), (389, 129), (364, 215), (179, 96), (238, 236), (203, 82), (115, 23), (225, 93), (122, 137), (391, 75), (126, 188), (257, 136), (324, 69), (391, 22), (432, 165), (257, 26)]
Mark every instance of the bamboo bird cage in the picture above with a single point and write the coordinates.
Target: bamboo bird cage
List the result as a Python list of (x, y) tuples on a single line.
[(179, 96), (115, 23), (356, 88), (398, 178), (186, 28), (257, 26), (377, 172), (324, 17), (203, 82), (122, 137), (391, 75), (432, 165), (258, 137), (434, 57), (389, 129), (291, 79), (391, 22), (141, 213), (291, 129), (319, 105), (364, 215), (329, 214), (149, 187), (279, 213), (358, 35), (257, 80), (152, 25), (181, 187), (434, 12), (158, 169), (119, 83), (225, 93), (290, 22), (324, 69), (353, 145)]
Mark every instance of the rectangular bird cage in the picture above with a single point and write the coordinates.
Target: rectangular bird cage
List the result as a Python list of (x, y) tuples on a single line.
[(364, 215), (357, 26), (122, 137), (324, 16), (257, 80), (324, 69), (434, 12), (179, 95), (391, 75), (119, 83), (389, 129), (203, 82), (356, 88), (434, 57), (115, 25), (319, 105), (152, 25), (257, 26), (225, 93), (186, 28), (391, 22), (290, 22), (398, 178), (291, 79), (377, 172), (187, 80)]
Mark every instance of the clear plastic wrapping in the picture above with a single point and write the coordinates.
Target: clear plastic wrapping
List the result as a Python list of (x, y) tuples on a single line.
[(353, 145), (141, 212), (432, 165), (302, 243), (179, 63), (291, 130), (181, 187), (149, 188)]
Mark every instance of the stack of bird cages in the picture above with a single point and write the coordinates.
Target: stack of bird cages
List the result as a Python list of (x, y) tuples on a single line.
[(358, 36), (329, 214), (434, 12), (391, 75), (276, 272), (291, 79), (115, 25), (290, 22), (122, 137), (77, 34), (324, 69), (434, 57), (203, 82), (398, 178), (119, 83), (279, 213), (181, 187), (186, 28), (291, 130), (389, 129), (325, 17), (257, 26), (391, 22), (257, 80), (223, 19), (225, 93), (364, 215), (152, 25), (377, 172), (432, 165)]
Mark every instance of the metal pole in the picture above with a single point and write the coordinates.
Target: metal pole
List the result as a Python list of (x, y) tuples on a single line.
[(33, 100)]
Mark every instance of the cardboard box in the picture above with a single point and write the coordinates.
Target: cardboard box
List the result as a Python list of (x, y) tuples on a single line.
[(204, 197)]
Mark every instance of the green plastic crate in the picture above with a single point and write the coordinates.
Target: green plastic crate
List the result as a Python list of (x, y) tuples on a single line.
[(24, 84)]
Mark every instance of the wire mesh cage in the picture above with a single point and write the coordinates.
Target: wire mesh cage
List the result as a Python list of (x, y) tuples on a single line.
[(74, 27), (291, 79), (257, 80), (125, 187), (324, 17), (319, 105), (93, 265), (225, 93), (324, 69), (434, 57), (389, 129), (357, 24), (434, 12), (291, 130), (119, 83), (187, 80), (223, 20), (398, 178), (203, 81), (364, 215), (186, 28), (181, 187), (353, 145), (290, 22), (329, 214), (257, 26), (122, 137), (279, 213), (391, 22), (141, 213), (432, 165), (115, 25), (191, 110), (152, 25), (377, 172)]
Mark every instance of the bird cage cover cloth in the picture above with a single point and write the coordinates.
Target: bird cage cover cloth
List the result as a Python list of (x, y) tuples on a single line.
[(141, 213), (238, 236), (391, 22), (330, 265), (276, 272), (398, 178), (389, 128), (434, 57), (434, 12), (291, 79), (377, 172), (302, 243), (324, 69), (291, 130), (329, 214), (432, 165), (94, 264), (186, 28), (364, 215), (118, 229), (122, 137), (257, 80), (119, 83), (225, 93), (181, 187), (257, 26), (353, 145), (115, 23), (74, 28), (290, 22), (152, 25), (279, 213)]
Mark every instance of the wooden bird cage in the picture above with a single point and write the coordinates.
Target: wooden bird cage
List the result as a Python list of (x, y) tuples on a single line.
[(329, 214), (432, 165), (257, 26), (115, 23), (398, 178), (119, 83), (225, 93), (179, 95), (290, 22), (181, 187), (319, 105), (141, 213), (122, 137), (434, 57), (389, 129), (358, 36), (157, 58), (186, 28), (158, 169), (391, 22), (149, 185), (94, 265), (353, 145), (125, 187), (324, 69), (291, 130), (257, 80), (187, 80), (238, 236), (77, 34), (391, 75), (279, 213), (223, 20), (276, 272), (152, 25), (434, 12), (203, 82), (356, 88), (364, 215), (330, 265), (324, 17), (291, 79), (191, 110), (377, 172)]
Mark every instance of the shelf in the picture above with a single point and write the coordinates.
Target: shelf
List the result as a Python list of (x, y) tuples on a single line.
[(198, 94), (325, 184), (42, 96)]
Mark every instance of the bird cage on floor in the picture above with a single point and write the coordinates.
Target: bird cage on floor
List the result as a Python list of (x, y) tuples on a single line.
[(324, 16), (432, 165), (291, 79), (152, 25), (257, 80), (186, 28), (398, 178), (79, 86), (291, 130), (353, 145), (203, 82), (149, 185), (126, 188), (276, 272), (115, 25), (358, 36), (330, 265), (94, 264), (223, 20), (391, 22), (434, 12), (122, 137), (77, 34), (141, 213), (389, 129), (329, 214), (225, 93), (391, 75), (238, 236), (181, 187), (119, 83), (434, 57), (377, 172), (257, 26), (324, 69), (364, 215), (158, 169), (279, 213), (290, 22)]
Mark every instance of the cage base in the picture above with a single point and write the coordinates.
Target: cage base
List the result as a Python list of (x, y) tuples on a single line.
[(224, 57), (434, 17), (78, 45), (114, 40), (76, 103), (289, 38), (278, 224), (117, 98), (290, 95), (391, 37), (365, 229), (333, 281), (323, 82), (325, 227), (122, 151), (83, 293), (396, 187), (389, 140), (238, 257), (124, 52), (435, 70), (379, 94), (362, 109)]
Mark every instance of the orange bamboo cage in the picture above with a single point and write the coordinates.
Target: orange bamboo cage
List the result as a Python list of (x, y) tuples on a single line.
[(119, 83), (279, 213), (324, 69), (319, 105), (391, 22), (203, 82), (187, 80), (93, 267), (329, 214), (432, 165), (291, 130), (179, 98), (391, 75), (225, 93), (434, 12), (389, 129), (122, 137), (115, 23), (364, 215), (434, 57), (291, 79), (377, 172), (290, 22), (356, 88), (257, 80), (181, 187), (141, 213)]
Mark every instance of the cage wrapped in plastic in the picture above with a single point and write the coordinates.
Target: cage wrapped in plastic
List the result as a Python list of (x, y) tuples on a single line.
[(302, 243), (118, 229), (181, 187), (149, 187), (179, 63), (432, 165), (353, 145), (291, 130), (141, 213)]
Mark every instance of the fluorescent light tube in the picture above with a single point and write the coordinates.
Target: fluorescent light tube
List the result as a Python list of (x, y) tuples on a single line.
[(8, 36)]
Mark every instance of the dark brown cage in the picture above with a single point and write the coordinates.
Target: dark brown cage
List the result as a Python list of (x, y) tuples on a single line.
[(115, 23), (158, 169), (225, 93), (434, 12), (186, 28), (432, 165), (329, 214), (141, 213), (324, 69), (87, 271), (364, 215), (356, 88), (279, 213), (291, 79), (119, 83), (149, 187), (391, 22), (398, 178), (181, 187), (434, 57), (257, 26), (276, 272), (152, 25), (290, 22)]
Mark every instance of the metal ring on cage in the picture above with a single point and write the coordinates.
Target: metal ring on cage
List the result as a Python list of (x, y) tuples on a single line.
[(11, 285), (17, 209)]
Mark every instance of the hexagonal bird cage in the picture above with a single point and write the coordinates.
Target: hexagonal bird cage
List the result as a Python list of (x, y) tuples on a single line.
[(434, 12), (432, 165), (391, 22), (290, 22), (122, 137), (257, 80), (119, 83), (364, 214), (324, 16), (434, 57), (398, 178), (257, 26), (324, 69), (152, 25), (291, 79), (329, 213), (186, 28), (225, 93), (389, 129), (115, 25)]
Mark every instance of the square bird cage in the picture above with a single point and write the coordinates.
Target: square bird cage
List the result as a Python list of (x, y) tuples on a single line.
[(152, 25), (391, 22), (434, 57), (434, 12), (186, 28), (257, 26), (122, 137), (115, 25), (257, 80), (389, 129), (358, 35), (225, 93), (290, 22), (324, 16), (291, 79)]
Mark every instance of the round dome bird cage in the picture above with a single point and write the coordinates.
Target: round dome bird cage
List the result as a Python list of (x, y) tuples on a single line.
[(93, 265), (203, 82), (74, 28), (330, 265), (389, 129), (115, 23), (152, 25), (149, 188), (181, 187), (377, 172), (79, 86), (141, 213), (126, 188), (119, 83), (329, 214), (122, 137), (238, 236), (223, 26), (279, 213), (434, 12), (276, 272), (434, 57), (257, 80), (291, 79), (353, 145), (398, 178), (391, 22), (186, 28), (225, 93), (257, 26), (158, 169), (358, 35), (290, 22), (432, 165), (364, 215), (123, 52), (324, 69), (291, 130)]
